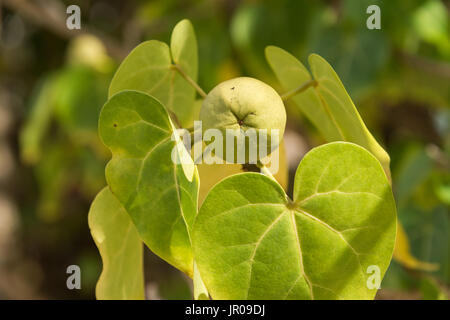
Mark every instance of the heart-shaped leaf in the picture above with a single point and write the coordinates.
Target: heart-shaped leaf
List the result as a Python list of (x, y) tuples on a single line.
[(327, 105), (149, 68), (251, 242), (158, 194), (119, 244), (331, 110)]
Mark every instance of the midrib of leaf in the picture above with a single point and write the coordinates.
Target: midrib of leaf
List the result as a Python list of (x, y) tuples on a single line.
[(326, 225), (159, 83), (292, 214), (328, 112), (323, 174), (357, 115), (300, 254), (175, 184), (141, 119), (298, 210), (147, 155), (247, 205), (318, 194), (258, 242)]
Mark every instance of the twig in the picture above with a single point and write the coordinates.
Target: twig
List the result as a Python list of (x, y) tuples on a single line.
[(189, 79), (301, 88), (266, 171), (41, 17), (441, 69)]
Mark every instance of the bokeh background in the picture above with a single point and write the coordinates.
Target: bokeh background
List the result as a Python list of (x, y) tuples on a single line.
[(53, 83)]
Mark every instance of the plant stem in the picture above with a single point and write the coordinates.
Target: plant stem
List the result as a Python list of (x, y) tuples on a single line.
[(189, 79), (301, 88), (200, 291), (266, 171)]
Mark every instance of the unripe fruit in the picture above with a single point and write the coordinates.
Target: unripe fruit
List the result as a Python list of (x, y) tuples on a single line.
[(241, 104)]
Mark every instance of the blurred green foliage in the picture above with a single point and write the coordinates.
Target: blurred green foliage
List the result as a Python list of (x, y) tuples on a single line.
[(399, 78)]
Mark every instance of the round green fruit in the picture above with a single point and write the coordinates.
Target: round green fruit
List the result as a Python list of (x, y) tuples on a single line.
[(240, 107)]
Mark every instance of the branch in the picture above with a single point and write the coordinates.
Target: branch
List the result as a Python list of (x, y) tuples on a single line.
[(301, 88), (189, 79), (41, 16), (438, 68)]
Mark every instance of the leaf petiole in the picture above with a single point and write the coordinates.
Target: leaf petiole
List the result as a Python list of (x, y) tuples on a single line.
[(264, 170), (299, 89), (189, 79)]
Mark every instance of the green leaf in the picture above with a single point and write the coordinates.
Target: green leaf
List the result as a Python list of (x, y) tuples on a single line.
[(38, 122), (149, 68), (159, 195), (80, 93), (120, 248), (327, 105), (250, 242)]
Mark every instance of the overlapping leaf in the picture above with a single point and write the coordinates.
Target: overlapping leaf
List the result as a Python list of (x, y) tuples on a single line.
[(150, 68), (120, 247), (327, 105), (331, 110), (250, 242), (38, 122), (159, 194)]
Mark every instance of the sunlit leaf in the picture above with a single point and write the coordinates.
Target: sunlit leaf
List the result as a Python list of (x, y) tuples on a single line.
[(331, 110), (149, 68), (156, 192), (250, 242), (120, 248), (327, 105)]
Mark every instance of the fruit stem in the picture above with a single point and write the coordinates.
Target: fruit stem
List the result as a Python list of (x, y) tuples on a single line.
[(174, 117), (189, 79), (301, 88), (266, 171)]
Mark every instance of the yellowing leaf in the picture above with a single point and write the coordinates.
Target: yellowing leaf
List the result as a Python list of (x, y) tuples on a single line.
[(120, 247), (402, 253)]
